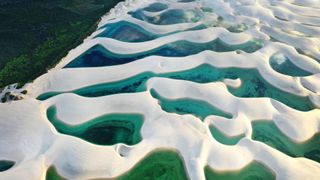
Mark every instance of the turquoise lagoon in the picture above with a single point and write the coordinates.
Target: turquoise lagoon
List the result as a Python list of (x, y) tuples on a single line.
[(253, 85), (111, 129)]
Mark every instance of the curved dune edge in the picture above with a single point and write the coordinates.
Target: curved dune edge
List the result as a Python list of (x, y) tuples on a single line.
[(187, 134), (33, 143)]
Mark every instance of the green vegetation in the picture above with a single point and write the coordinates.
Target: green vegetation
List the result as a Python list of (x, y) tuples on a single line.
[(36, 34)]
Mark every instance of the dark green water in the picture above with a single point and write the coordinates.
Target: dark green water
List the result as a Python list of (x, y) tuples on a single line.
[(5, 165), (253, 171), (104, 130), (52, 174), (158, 165), (167, 165), (268, 133)]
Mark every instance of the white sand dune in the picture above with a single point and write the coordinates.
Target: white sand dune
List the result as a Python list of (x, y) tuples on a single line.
[(290, 28)]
